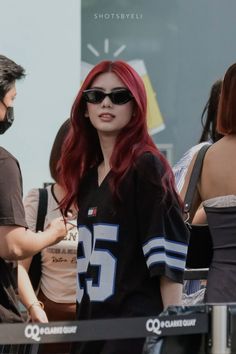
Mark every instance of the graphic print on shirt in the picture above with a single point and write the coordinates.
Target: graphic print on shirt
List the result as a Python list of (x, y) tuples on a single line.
[(98, 262), (65, 251)]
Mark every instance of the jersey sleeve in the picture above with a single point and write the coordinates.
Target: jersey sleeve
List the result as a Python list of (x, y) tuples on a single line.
[(163, 233), (31, 203), (11, 206)]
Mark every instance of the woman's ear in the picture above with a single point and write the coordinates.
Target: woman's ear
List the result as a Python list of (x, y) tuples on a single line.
[(86, 114)]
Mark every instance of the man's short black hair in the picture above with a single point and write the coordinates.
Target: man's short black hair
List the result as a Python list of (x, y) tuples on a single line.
[(9, 73)]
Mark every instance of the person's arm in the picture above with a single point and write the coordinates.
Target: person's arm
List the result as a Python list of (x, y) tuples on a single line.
[(19, 243), (171, 292), (27, 294)]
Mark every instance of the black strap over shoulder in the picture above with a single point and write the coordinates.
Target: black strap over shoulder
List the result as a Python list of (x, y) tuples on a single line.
[(35, 266), (42, 209), (196, 172)]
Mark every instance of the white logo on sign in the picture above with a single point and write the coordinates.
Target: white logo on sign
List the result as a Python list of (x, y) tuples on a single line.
[(155, 325), (34, 331)]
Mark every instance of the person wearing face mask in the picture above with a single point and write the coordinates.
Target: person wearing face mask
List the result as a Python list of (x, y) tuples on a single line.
[(8, 119), (7, 96), (14, 232)]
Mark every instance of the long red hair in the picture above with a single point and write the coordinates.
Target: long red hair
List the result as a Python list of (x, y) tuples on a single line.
[(226, 117), (82, 151)]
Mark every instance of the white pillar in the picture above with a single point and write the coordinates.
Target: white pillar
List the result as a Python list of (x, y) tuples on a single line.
[(219, 330)]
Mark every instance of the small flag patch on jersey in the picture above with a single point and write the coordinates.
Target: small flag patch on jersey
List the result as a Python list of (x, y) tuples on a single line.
[(92, 211)]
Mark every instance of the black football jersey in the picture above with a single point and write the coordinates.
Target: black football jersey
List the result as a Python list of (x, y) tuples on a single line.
[(125, 246)]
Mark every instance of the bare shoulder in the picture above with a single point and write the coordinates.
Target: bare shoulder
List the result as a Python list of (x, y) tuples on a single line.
[(221, 154), (219, 169)]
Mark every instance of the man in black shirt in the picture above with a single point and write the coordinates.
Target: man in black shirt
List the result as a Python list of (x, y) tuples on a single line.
[(14, 235)]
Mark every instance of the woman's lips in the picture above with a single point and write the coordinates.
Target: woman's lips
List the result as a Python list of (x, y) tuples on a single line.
[(106, 116)]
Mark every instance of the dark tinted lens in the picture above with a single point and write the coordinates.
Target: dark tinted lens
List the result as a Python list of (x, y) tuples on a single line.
[(121, 97), (94, 96), (116, 97)]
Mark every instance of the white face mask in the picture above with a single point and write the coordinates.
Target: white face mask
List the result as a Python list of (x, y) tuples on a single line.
[(8, 119)]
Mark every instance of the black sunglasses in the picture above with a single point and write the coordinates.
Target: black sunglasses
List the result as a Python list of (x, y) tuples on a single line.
[(95, 96)]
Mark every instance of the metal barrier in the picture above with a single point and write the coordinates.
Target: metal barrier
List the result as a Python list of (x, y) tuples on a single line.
[(103, 329), (232, 327), (217, 321)]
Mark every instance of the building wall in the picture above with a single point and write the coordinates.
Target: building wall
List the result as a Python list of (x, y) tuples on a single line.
[(44, 37), (185, 44)]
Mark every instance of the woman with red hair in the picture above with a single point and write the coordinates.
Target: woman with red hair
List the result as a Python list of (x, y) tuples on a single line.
[(217, 191), (132, 239)]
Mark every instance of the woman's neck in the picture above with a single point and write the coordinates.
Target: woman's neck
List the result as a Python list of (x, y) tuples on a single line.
[(107, 144), (59, 192)]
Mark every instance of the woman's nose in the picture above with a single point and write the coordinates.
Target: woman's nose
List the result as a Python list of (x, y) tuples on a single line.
[(106, 102)]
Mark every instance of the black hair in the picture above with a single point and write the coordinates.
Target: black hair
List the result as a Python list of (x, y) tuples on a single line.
[(9, 73), (209, 115), (55, 154)]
